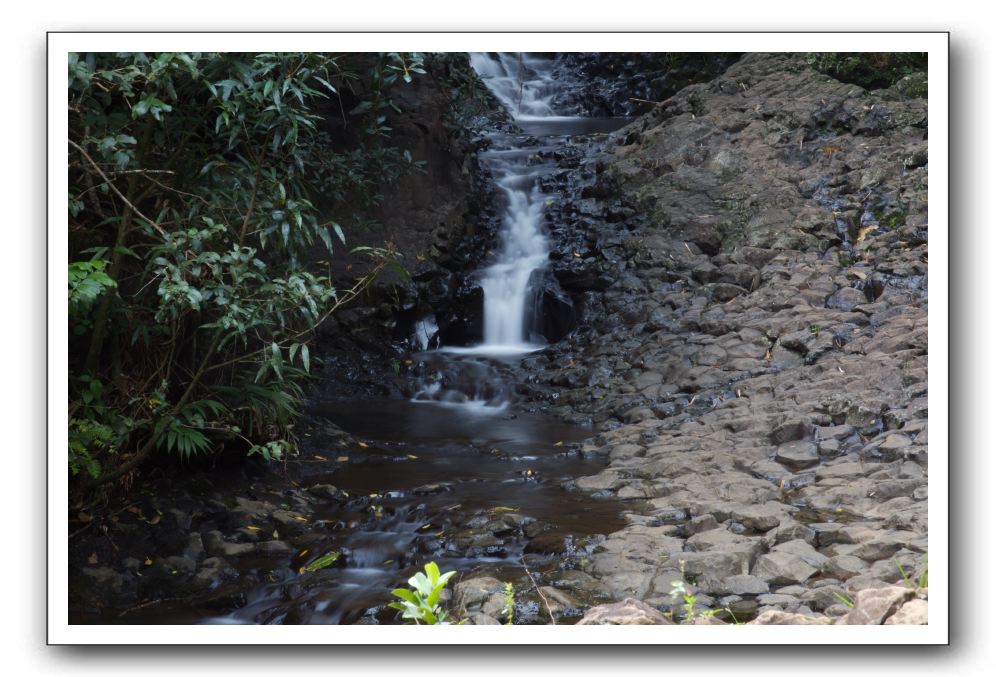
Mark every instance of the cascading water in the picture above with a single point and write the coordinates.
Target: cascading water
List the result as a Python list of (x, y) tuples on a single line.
[(523, 84), (513, 284)]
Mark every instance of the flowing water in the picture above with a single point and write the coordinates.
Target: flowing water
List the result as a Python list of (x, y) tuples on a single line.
[(458, 450)]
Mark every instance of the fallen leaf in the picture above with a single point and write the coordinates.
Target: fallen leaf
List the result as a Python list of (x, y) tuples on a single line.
[(92, 559), (363, 445), (341, 459), (155, 520), (863, 233), (319, 458), (388, 561), (558, 444), (253, 528), (860, 274), (299, 518), (413, 457), (322, 562), (148, 561), (85, 517)]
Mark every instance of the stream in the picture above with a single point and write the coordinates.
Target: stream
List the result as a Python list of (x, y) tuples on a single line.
[(435, 473)]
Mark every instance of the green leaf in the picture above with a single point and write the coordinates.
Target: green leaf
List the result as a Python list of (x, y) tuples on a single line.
[(325, 560), (306, 358)]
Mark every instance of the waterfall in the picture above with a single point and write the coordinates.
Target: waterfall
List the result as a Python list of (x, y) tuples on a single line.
[(523, 84)]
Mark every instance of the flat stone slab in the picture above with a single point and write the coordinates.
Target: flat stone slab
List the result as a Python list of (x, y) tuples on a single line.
[(798, 455)]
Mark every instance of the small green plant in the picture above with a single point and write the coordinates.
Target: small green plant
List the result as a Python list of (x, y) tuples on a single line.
[(420, 605), (921, 581), (845, 600), (679, 589), (508, 611)]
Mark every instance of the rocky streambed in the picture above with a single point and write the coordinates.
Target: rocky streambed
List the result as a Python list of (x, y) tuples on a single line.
[(757, 365)]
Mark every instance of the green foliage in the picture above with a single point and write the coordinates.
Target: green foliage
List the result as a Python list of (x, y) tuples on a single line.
[(420, 605), (921, 580), (87, 281), (845, 600), (202, 186), (871, 70), (680, 590), (508, 611)]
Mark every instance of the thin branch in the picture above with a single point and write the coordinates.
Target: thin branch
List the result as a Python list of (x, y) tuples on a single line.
[(104, 176), (549, 610)]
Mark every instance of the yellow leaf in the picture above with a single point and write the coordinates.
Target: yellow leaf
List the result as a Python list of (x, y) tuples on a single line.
[(319, 458), (388, 561), (363, 445), (412, 457), (92, 559), (558, 444), (341, 459), (299, 518), (863, 233), (860, 274), (548, 202), (250, 527), (577, 254), (148, 561)]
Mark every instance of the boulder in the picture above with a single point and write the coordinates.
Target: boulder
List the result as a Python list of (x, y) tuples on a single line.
[(874, 605), (783, 568), (775, 617), (914, 612), (627, 612)]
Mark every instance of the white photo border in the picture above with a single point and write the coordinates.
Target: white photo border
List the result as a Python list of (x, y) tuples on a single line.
[(60, 631)]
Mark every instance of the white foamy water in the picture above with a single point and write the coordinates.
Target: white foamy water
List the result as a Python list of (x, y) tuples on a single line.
[(523, 84)]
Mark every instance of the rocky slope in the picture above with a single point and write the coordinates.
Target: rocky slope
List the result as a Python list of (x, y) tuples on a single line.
[(751, 260)]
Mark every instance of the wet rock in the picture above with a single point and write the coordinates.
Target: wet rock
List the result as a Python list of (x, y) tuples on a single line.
[(627, 612), (101, 587), (216, 546), (783, 568), (805, 551), (798, 455), (759, 517), (274, 548), (844, 567), (744, 585), (326, 491), (874, 606), (775, 617), (479, 595)]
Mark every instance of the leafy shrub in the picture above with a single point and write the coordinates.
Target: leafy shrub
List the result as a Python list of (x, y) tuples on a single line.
[(201, 185), (421, 604), (871, 70)]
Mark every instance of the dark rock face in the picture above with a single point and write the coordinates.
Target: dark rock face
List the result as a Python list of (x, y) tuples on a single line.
[(439, 219), (626, 83)]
